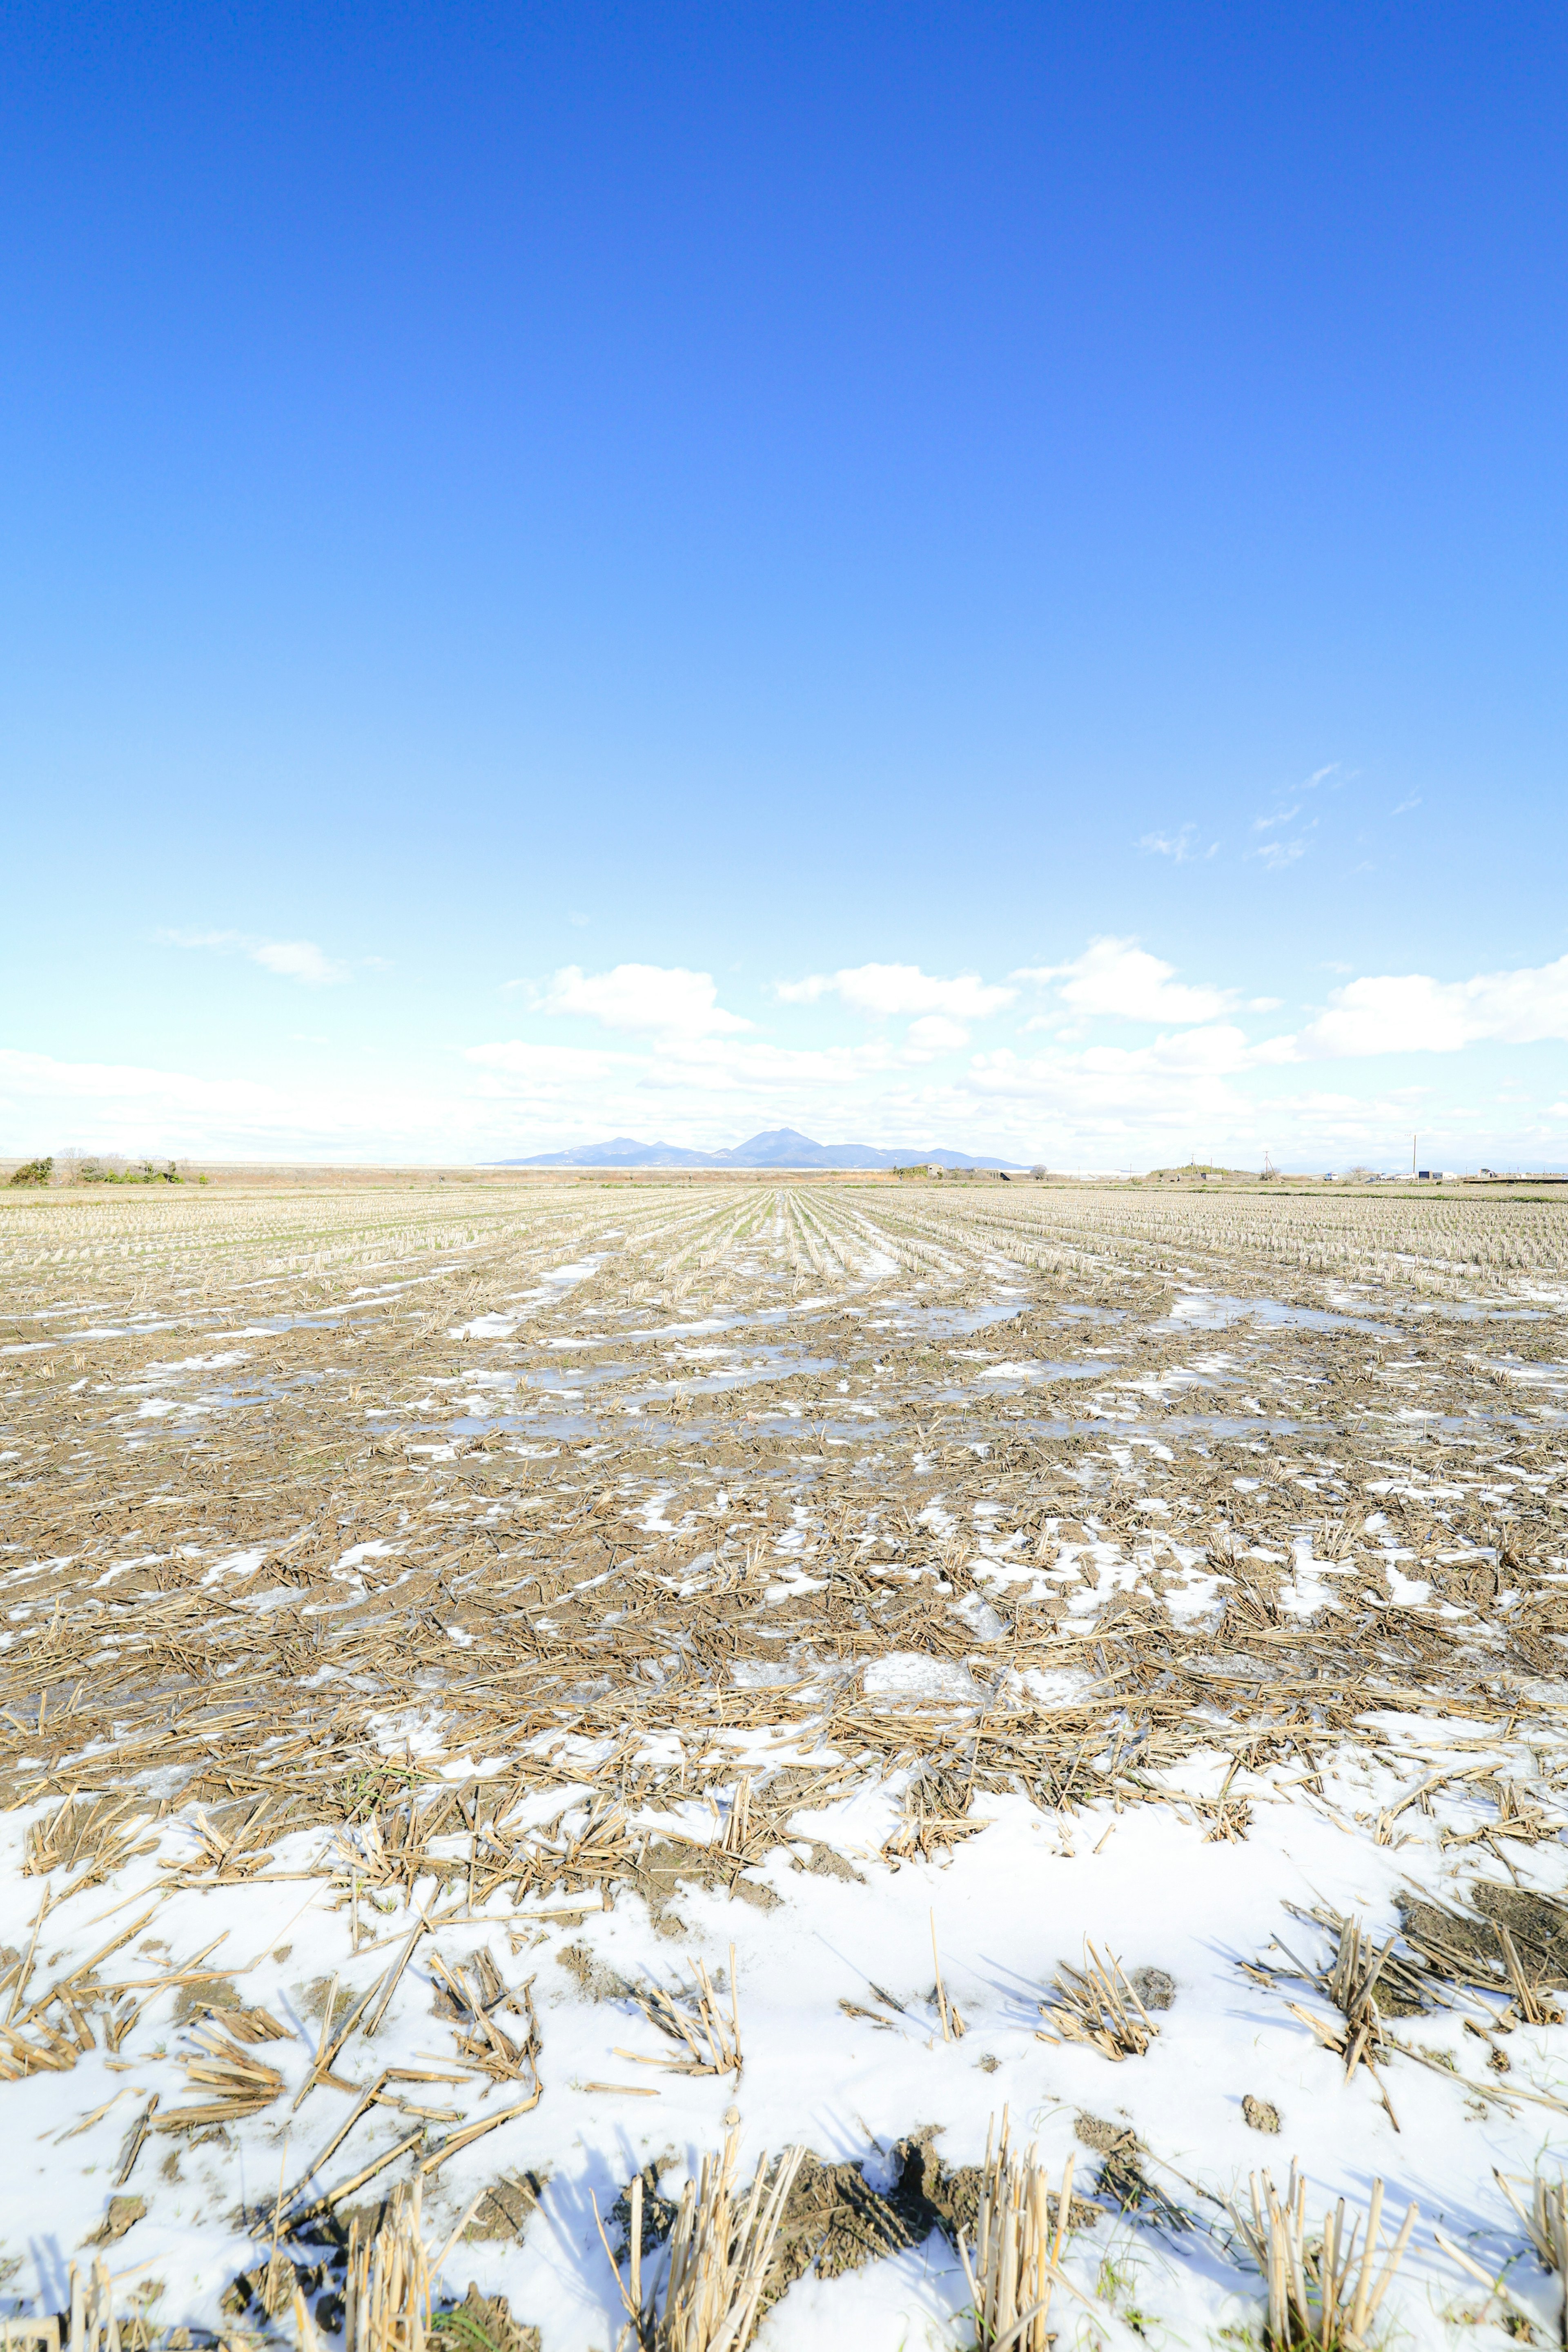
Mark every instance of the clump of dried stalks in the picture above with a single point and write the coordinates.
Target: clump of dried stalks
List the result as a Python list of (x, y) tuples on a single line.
[(1545, 2222), (237, 2083), (952, 2026), (1533, 2006), (229, 1859), (719, 2252), (1097, 2005), (91, 2325), (737, 1828), (64, 1837), (482, 2045), (1350, 1983), (1323, 2297), (93, 2321), (1017, 2251), (711, 2042), (386, 2299)]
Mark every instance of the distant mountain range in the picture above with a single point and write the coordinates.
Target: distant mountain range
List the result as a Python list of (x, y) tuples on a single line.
[(782, 1147)]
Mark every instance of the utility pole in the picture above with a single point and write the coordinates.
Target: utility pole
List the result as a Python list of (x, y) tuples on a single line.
[(1413, 1140)]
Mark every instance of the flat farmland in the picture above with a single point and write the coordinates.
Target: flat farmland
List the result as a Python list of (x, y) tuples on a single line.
[(507, 1686)]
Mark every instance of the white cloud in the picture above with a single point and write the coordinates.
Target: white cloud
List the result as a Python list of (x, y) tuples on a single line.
[(1403, 806), (1122, 1091), (299, 960), (31, 1076), (1278, 853), (1118, 980), (1280, 816), (655, 999), (132, 1108), (521, 1059), (1414, 1013), (1200, 1086), (665, 1060), (886, 990), (727, 1061), (710, 1073), (935, 1033), (1182, 846)]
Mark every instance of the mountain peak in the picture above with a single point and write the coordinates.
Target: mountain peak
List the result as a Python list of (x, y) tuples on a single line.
[(783, 1147)]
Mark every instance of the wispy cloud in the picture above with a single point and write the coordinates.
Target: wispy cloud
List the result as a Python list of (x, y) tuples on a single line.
[(1181, 847), (299, 960), (1413, 800), (1277, 854)]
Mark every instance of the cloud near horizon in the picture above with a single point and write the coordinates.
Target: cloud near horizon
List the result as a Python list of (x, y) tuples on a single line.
[(679, 1065)]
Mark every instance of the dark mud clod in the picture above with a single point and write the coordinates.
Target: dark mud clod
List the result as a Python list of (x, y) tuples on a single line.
[(658, 2211), (505, 2209), (122, 2214)]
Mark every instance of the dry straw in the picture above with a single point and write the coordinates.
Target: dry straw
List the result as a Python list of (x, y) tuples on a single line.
[(952, 2026), (386, 2301), (1018, 2248), (710, 2040), (1545, 2221), (719, 2251), (1350, 1984), (1098, 2005), (575, 1603), (1322, 2295)]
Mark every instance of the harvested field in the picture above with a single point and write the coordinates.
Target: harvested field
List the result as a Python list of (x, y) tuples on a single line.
[(507, 1686)]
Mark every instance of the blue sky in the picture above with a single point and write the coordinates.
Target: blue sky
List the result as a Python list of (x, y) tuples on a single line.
[(942, 574)]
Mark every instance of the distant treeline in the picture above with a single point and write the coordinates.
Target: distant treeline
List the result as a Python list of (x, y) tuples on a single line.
[(90, 1168)]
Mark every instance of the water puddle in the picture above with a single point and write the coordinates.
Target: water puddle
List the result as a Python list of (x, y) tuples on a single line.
[(1212, 1311)]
